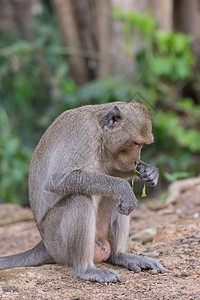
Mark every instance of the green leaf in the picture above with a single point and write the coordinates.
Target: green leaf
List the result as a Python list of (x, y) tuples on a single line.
[(144, 191)]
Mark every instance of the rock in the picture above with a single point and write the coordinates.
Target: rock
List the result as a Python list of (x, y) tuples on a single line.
[(177, 273), (198, 271), (151, 254), (168, 234), (173, 233), (144, 235), (156, 205), (178, 187), (153, 272), (12, 213), (196, 215), (11, 274)]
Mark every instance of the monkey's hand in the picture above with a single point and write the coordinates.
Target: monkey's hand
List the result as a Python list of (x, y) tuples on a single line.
[(149, 174), (127, 199), (86, 183)]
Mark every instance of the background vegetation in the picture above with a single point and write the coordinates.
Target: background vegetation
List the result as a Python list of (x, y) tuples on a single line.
[(36, 84)]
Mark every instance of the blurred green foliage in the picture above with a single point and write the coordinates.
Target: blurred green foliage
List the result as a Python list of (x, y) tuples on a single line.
[(165, 55), (28, 103), (14, 159), (26, 93), (164, 64)]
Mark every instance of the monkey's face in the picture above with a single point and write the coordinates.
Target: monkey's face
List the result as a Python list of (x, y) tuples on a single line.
[(128, 157), (127, 128)]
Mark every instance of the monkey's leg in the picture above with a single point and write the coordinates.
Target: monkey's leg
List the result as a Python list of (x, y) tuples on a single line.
[(102, 245), (133, 262), (69, 236)]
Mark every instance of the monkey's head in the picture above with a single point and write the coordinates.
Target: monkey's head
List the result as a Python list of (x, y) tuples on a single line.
[(127, 128)]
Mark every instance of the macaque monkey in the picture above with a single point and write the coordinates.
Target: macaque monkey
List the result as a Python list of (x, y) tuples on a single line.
[(79, 190)]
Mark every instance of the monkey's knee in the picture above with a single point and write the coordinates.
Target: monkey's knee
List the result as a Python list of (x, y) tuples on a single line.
[(101, 251)]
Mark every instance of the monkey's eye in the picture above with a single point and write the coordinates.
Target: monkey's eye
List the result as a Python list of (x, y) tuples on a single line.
[(138, 144)]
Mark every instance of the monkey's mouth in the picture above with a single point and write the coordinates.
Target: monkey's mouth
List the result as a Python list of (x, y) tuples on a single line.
[(123, 167)]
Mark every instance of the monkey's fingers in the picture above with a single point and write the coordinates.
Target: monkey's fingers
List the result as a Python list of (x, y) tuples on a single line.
[(99, 275), (150, 176), (155, 265), (136, 263), (140, 168), (145, 263)]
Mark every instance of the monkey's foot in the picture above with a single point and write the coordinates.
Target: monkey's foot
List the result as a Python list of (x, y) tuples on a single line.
[(99, 275), (135, 263)]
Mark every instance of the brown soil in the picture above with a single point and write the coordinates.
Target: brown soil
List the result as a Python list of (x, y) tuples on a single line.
[(173, 235)]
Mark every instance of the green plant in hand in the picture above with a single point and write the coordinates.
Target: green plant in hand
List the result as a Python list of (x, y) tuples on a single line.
[(144, 187)]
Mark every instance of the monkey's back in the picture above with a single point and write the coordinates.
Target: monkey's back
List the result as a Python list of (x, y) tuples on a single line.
[(63, 148)]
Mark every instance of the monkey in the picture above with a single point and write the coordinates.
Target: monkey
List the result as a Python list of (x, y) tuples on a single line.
[(79, 191)]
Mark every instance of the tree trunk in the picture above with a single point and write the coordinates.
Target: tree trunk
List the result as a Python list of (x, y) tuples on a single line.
[(187, 19), (85, 15), (87, 26), (21, 12), (71, 39), (163, 13), (103, 34), (161, 10), (26, 10)]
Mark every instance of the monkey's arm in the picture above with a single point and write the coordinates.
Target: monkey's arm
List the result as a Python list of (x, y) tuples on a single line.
[(149, 173), (86, 183)]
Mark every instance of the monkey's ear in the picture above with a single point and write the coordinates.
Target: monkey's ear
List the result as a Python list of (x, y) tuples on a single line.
[(113, 117)]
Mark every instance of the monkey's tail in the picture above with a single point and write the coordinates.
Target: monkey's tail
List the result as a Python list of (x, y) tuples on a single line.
[(34, 257)]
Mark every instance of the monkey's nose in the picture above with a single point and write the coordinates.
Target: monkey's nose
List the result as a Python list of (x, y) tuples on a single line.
[(136, 163)]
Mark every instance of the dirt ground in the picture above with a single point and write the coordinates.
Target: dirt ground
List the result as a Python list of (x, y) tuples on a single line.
[(169, 233)]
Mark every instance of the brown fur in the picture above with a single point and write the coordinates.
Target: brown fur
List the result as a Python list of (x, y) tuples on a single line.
[(78, 190)]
